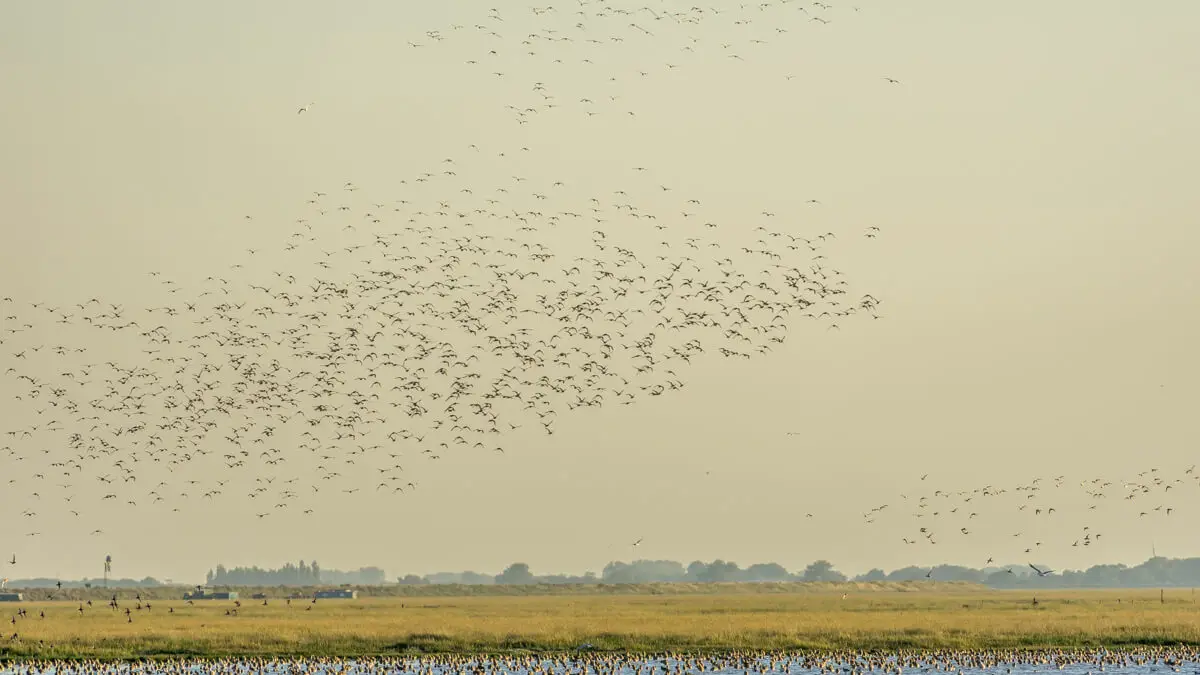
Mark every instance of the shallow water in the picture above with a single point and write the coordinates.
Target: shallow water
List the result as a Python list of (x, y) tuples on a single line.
[(1067, 662)]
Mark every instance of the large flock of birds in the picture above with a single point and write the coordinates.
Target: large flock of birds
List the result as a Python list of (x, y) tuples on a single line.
[(585, 662), (441, 319), (456, 314)]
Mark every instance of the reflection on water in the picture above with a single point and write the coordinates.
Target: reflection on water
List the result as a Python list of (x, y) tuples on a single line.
[(1068, 662)]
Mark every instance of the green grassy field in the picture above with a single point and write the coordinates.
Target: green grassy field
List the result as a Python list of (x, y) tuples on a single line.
[(743, 616)]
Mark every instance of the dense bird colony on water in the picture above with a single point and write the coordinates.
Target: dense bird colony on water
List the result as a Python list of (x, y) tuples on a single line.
[(1081, 662)]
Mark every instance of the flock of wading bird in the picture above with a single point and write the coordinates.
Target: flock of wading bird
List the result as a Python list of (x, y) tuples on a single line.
[(1089, 661), (402, 331), (442, 319)]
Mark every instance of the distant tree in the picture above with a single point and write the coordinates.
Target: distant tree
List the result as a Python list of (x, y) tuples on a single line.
[(910, 573), (477, 579), (517, 573), (371, 576), (617, 572), (363, 576), (650, 571), (1001, 579), (873, 575), (719, 571), (766, 572), (290, 574), (822, 570), (1157, 571), (1105, 575), (643, 572), (411, 580), (957, 573), (447, 578)]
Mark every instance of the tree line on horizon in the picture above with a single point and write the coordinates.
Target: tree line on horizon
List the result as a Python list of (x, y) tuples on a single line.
[(302, 574), (1155, 572)]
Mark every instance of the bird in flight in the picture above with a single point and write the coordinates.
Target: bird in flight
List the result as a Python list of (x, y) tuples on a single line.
[(1041, 573), (304, 108)]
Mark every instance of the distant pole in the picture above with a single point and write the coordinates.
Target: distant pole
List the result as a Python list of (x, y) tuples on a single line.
[(107, 568), (1162, 600)]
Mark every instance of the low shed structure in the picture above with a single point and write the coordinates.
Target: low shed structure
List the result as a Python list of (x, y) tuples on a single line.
[(213, 595)]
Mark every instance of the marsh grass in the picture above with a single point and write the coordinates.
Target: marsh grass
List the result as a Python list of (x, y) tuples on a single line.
[(882, 619)]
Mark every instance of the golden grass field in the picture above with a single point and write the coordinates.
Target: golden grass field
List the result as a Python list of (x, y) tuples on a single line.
[(954, 617)]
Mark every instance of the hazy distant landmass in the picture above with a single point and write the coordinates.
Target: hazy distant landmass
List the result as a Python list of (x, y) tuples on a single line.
[(1154, 572)]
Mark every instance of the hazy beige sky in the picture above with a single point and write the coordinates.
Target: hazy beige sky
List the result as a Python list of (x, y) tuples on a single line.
[(1032, 175)]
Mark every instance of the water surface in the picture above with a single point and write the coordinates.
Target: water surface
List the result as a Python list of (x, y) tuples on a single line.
[(1066, 662)]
